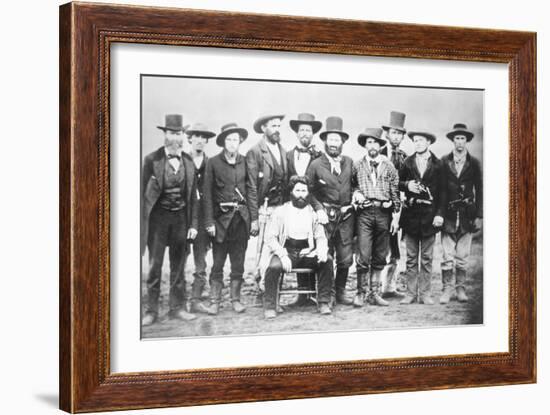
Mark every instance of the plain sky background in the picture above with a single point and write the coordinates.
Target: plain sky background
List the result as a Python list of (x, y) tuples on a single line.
[(29, 215), (219, 101)]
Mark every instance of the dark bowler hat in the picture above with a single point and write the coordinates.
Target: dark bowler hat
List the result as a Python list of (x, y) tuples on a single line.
[(308, 119), (262, 120), (397, 121), (173, 122), (228, 129), (375, 133), (334, 125), (460, 129), (429, 136), (200, 129)]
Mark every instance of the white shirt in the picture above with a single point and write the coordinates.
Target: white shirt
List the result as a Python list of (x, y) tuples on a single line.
[(274, 149), (422, 162), (301, 161), (299, 223), (174, 162)]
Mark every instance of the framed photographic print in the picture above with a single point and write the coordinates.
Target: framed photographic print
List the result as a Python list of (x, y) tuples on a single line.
[(259, 207)]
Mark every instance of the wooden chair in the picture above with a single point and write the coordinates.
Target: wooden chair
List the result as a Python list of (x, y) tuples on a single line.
[(296, 290)]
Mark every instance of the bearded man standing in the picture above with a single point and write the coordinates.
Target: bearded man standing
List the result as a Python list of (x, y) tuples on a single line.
[(169, 217), (330, 179)]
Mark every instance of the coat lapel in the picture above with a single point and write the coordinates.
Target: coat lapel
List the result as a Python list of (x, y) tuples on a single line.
[(266, 154), (158, 167), (189, 167), (466, 166), (451, 164), (283, 158)]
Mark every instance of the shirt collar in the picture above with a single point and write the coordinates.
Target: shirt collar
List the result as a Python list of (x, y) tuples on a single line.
[(424, 156)]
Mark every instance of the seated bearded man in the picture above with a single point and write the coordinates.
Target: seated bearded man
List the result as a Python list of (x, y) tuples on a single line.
[(295, 239)]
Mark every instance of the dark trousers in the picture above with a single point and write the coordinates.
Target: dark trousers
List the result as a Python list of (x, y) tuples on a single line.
[(419, 281), (324, 271), (395, 254), (201, 245), (234, 245), (167, 229), (373, 238)]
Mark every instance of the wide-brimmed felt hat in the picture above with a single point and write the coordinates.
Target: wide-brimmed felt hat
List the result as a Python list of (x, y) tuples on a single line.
[(397, 122), (173, 122), (375, 133), (200, 129), (460, 129), (334, 125), (229, 128), (262, 120), (308, 119), (429, 136)]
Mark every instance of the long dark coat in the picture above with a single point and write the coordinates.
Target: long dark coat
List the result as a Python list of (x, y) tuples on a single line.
[(259, 175), (417, 219), (220, 181), (326, 187), (152, 186), (469, 185)]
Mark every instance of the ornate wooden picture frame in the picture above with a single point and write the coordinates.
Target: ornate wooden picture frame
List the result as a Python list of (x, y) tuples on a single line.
[(87, 32)]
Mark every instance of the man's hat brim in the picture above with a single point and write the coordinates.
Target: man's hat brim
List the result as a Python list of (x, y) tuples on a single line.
[(362, 140), (469, 135), (323, 135), (221, 137), (395, 127), (184, 128), (207, 134), (315, 125), (429, 136), (262, 120)]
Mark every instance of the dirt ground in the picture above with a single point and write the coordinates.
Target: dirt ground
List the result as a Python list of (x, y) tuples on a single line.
[(306, 319)]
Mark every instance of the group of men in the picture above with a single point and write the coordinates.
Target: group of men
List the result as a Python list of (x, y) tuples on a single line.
[(309, 209)]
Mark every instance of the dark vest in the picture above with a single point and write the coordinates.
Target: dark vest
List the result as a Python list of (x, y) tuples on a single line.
[(278, 181), (172, 196)]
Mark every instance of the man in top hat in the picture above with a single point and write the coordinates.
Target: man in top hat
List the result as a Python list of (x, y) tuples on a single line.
[(395, 132), (267, 170), (198, 135), (376, 195), (295, 239), (298, 160), (421, 216), (463, 188), (169, 217), (227, 218), (330, 180)]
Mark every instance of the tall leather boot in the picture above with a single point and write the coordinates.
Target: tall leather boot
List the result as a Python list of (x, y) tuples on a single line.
[(197, 287), (461, 285), (235, 290), (215, 297), (375, 288), (340, 286), (359, 299), (448, 286)]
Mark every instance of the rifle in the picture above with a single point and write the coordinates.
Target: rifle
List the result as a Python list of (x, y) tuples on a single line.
[(262, 219)]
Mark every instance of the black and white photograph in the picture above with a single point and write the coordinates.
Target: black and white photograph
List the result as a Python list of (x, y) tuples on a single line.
[(294, 206)]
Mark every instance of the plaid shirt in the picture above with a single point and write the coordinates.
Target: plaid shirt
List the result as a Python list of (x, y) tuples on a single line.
[(387, 182)]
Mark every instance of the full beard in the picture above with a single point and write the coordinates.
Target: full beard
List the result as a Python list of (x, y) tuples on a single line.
[(373, 153), (298, 202), (333, 151)]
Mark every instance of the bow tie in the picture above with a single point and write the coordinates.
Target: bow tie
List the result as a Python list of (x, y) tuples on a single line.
[(373, 164), (173, 156), (304, 150)]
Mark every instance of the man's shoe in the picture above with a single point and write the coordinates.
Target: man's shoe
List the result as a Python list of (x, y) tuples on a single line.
[(183, 315), (446, 296), (359, 300), (238, 307), (409, 299), (393, 294), (198, 306), (270, 314), (148, 319), (324, 309), (375, 299), (461, 294), (214, 309), (427, 300), (342, 298)]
